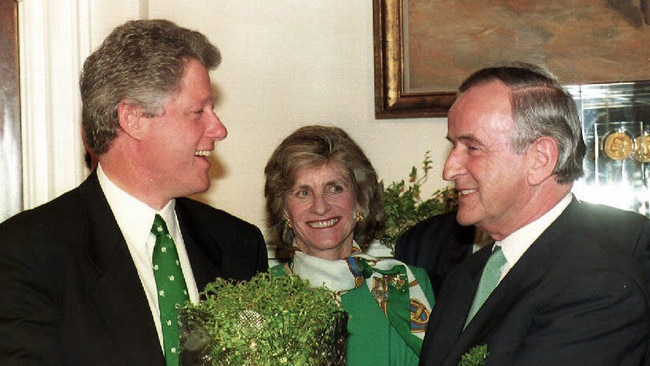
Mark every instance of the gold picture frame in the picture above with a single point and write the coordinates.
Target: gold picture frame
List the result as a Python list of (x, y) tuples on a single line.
[(390, 99), (423, 49)]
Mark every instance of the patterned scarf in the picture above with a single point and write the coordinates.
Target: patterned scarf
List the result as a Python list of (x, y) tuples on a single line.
[(390, 281)]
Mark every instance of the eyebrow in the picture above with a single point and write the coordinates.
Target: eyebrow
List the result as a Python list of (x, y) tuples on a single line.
[(466, 139), (341, 182), (336, 182)]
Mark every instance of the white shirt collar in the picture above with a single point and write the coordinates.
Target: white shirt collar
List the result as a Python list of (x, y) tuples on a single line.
[(516, 244), (133, 216)]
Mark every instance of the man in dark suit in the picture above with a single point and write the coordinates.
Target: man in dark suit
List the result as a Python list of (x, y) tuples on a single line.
[(77, 279), (565, 282), (437, 244)]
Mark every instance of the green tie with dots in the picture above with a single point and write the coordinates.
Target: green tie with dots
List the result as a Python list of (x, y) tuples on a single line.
[(170, 283)]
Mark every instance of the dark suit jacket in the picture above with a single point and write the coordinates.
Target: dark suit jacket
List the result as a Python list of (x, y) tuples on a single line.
[(70, 293), (437, 244), (577, 296)]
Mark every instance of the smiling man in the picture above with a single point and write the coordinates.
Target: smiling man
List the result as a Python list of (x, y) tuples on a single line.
[(82, 276), (565, 282)]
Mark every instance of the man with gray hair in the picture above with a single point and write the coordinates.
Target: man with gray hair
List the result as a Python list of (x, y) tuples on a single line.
[(94, 276), (565, 282)]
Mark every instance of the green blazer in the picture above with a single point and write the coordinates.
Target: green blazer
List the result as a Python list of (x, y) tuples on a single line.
[(372, 341)]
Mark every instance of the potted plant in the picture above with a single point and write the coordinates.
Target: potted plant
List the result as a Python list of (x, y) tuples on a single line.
[(269, 320)]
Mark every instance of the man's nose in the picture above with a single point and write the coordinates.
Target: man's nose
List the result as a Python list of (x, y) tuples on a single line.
[(453, 165), (216, 129)]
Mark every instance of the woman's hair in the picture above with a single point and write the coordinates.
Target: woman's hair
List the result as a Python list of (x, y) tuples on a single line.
[(315, 146), (141, 62), (540, 107)]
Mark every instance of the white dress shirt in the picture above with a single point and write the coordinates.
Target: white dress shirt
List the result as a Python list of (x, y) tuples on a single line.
[(135, 219), (516, 244)]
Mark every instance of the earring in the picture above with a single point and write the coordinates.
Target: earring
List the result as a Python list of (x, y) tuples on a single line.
[(358, 216), (287, 223)]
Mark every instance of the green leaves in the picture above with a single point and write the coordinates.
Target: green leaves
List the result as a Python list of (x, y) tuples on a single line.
[(405, 207), (476, 356), (269, 320)]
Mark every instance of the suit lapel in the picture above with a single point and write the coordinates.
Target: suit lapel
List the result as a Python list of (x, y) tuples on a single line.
[(525, 275), (205, 260), (444, 332), (522, 278), (115, 285), (471, 275)]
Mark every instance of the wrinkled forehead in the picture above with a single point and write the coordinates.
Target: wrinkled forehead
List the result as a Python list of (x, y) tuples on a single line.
[(483, 103), (329, 169)]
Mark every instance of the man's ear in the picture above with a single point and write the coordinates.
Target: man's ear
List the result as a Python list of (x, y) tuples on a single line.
[(543, 156), (130, 118)]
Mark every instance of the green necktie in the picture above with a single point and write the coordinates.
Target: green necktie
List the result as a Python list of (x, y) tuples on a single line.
[(170, 283), (489, 280)]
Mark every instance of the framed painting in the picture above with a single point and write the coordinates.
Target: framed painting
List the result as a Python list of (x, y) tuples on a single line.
[(425, 48)]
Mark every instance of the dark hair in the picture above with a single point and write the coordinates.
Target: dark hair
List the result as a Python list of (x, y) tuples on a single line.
[(314, 146), (142, 62), (540, 107)]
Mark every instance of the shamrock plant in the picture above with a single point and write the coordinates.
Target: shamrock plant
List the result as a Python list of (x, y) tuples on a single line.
[(405, 207)]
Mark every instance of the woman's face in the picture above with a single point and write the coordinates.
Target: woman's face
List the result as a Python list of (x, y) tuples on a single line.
[(321, 206)]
